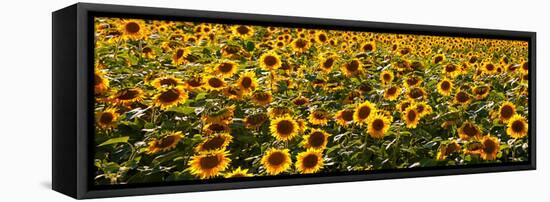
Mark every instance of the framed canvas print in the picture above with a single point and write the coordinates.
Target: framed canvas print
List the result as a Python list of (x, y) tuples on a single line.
[(154, 100)]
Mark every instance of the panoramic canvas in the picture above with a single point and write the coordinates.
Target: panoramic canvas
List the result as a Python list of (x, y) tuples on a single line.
[(187, 102)]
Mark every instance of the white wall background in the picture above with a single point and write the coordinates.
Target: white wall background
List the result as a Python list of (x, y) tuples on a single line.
[(25, 99)]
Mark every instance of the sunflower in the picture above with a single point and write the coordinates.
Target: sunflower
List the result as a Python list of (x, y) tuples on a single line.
[(326, 63), (451, 70), (243, 31), (170, 97), (300, 45), (462, 98), (344, 117), (468, 131), (316, 139), (278, 111), (223, 114), (284, 128), (524, 67), (166, 81), (133, 29), (101, 84), (166, 142), (319, 117), (363, 111), (180, 56), (300, 101), (216, 142), (379, 125), (404, 104), (411, 117), (352, 68), (321, 37), (438, 58), (310, 161), (247, 81), (238, 173), (107, 119), (392, 93), (216, 127), (412, 81), (444, 87), (491, 146), (226, 68), (128, 96), (368, 47), (194, 83), (446, 149), (506, 111), (417, 93), (276, 161), (209, 165), (423, 109), (489, 68), (255, 121), (481, 92), (270, 61), (214, 83), (233, 92), (261, 98), (386, 77), (148, 53), (517, 126)]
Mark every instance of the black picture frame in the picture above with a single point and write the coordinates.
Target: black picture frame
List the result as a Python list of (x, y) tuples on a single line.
[(72, 65)]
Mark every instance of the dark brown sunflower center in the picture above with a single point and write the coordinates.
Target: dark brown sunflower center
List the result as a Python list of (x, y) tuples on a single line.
[(132, 27), (320, 114), (231, 49), (179, 53), (525, 66), (300, 101), (404, 106), (450, 68), (411, 116), (316, 139), (518, 126), (392, 90), (347, 115), (147, 50), (214, 143), (128, 94), (310, 161), (328, 63), (353, 66), (470, 130), (170, 95), (368, 47), (225, 67), (506, 112), (261, 96), (285, 127), (270, 60), (301, 43), (438, 59), (445, 85), (216, 127), (416, 65), (416, 93), (489, 146), (387, 77), (378, 124), (167, 141), (462, 97), (481, 90), (322, 38), (209, 162), (276, 158), (194, 82), (106, 118), (246, 82), (364, 112), (473, 59), (97, 80), (168, 82), (215, 82), (490, 67), (256, 119), (243, 30), (412, 81), (420, 108)]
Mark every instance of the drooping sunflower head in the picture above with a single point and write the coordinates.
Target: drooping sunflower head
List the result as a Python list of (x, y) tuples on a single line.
[(238, 173), (446, 149), (128, 96), (506, 111), (214, 143), (133, 29), (107, 119), (243, 31), (363, 111), (319, 117), (386, 77), (170, 97), (284, 128), (444, 87), (214, 83), (180, 56), (491, 147), (469, 130), (392, 93), (344, 117), (255, 121), (166, 81), (276, 161), (411, 117), (221, 114), (167, 141), (261, 98), (462, 98), (225, 68), (352, 68), (269, 61), (209, 164), (310, 161), (247, 81), (379, 125), (517, 126), (316, 139), (101, 84)]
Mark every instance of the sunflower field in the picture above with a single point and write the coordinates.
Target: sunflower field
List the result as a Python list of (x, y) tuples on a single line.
[(180, 101)]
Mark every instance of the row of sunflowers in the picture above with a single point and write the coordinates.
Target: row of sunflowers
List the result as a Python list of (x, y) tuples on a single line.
[(178, 101)]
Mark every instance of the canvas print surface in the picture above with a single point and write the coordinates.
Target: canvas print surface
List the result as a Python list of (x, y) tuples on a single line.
[(190, 101)]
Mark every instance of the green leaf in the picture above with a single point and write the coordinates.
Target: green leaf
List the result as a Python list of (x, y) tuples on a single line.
[(115, 141), (250, 45), (201, 96), (184, 110)]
